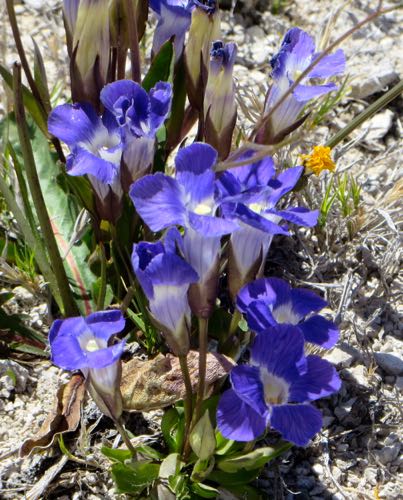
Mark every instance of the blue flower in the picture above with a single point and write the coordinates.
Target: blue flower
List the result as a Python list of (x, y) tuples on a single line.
[(297, 52), (165, 278), (249, 196), (188, 200), (96, 150), (83, 344), (138, 115), (275, 390), (268, 302), (174, 17)]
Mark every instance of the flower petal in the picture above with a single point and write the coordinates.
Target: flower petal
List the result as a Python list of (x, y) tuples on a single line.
[(296, 423), (158, 200), (280, 349), (258, 289), (194, 170), (284, 182), (210, 226), (247, 385), (305, 301), (105, 357), (82, 162), (304, 93), (105, 323), (319, 381), (73, 123), (236, 420), (160, 104), (321, 331), (255, 220), (333, 64), (298, 215)]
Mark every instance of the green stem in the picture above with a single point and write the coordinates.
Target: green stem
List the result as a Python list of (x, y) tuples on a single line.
[(366, 114), (125, 437), (32, 239), (225, 342), (203, 344), (188, 402), (102, 290), (69, 306)]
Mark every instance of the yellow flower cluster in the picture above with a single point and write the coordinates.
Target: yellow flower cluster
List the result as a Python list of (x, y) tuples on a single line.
[(318, 160)]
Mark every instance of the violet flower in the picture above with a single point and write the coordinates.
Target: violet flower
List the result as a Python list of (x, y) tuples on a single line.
[(174, 17), (249, 195), (188, 200), (96, 150), (139, 115), (269, 302), (83, 344), (165, 278), (297, 52), (275, 390), (219, 98)]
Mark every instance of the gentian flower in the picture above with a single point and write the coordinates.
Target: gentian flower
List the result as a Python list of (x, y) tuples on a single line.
[(204, 29), (275, 390), (90, 48), (188, 200), (83, 344), (165, 278), (297, 52), (96, 150), (139, 115), (219, 98), (269, 302), (70, 10), (174, 17), (249, 195)]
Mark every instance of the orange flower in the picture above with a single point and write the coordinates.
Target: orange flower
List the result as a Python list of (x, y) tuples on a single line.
[(318, 160)]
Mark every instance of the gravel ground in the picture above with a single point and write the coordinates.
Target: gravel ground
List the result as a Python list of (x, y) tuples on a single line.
[(358, 453)]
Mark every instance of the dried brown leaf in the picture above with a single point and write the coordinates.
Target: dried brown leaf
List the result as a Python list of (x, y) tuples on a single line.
[(64, 417), (157, 383)]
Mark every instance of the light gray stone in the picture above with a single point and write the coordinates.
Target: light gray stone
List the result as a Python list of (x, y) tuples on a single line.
[(13, 377), (388, 454), (391, 363), (358, 374), (370, 83), (340, 357), (378, 126)]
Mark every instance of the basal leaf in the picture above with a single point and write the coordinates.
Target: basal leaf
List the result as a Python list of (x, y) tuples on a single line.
[(253, 460), (161, 68), (134, 478)]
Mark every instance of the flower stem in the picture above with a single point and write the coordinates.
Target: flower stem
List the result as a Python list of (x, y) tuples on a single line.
[(102, 290), (125, 437), (188, 402), (203, 344), (366, 114), (69, 306)]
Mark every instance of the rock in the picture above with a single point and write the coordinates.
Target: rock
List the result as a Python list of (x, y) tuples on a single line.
[(388, 454), (369, 83), (399, 384), (21, 293), (340, 357), (13, 377), (357, 374), (378, 126), (318, 469), (391, 363), (371, 475)]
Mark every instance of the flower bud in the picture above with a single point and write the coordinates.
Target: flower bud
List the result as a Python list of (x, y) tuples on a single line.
[(219, 98), (204, 28), (90, 50)]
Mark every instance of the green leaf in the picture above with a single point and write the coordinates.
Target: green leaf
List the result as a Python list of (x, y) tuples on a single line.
[(33, 107), (29, 349), (171, 466), (147, 451), (224, 445), (40, 76), (253, 460), (246, 491), (161, 68), (63, 212), (116, 455), (179, 485), (173, 429), (227, 479), (202, 438), (13, 323), (134, 478), (204, 491), (5, 297)]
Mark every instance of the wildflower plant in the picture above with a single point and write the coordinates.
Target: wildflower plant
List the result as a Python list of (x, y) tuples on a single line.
[(155, 221)]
